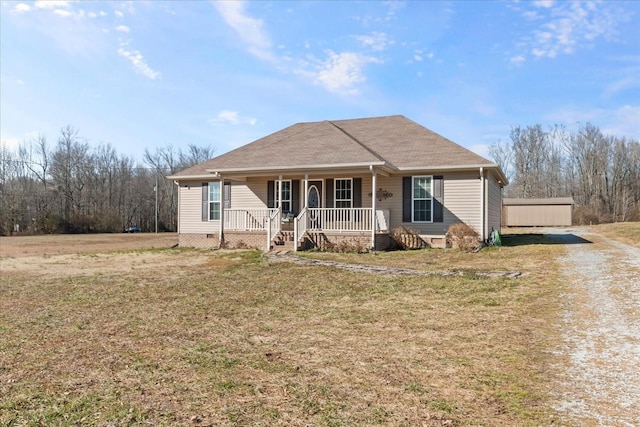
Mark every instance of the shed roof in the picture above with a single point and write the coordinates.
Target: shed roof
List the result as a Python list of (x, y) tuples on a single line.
[(538, 202)]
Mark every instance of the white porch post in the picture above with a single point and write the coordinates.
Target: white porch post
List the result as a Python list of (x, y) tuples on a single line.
[(279, 192), (221, 228), (374, 184), (306, 190)]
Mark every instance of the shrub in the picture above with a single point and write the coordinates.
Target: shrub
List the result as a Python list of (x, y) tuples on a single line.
[(585, 215), (463, 237), (406, 238)]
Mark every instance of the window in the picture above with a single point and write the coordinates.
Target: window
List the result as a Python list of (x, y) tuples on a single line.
[(286, 196), (344, 197), (422, 199), (214, 201)]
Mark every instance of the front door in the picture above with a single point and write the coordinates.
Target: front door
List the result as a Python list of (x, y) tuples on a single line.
[(313, 197), (314, 201)]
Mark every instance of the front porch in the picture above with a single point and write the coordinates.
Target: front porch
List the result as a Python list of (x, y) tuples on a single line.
[(311, 228)]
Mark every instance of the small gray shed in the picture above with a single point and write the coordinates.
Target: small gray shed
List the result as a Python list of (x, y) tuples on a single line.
[(555, 211)]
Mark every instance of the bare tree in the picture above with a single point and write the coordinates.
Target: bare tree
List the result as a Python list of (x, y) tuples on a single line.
[(69, 171), (503, 156)]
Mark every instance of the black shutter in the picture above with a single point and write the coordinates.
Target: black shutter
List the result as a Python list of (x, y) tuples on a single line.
[(438, 198), (357, 192), (406, 199), (227, 195), (271, 190), (205, 201), (330, 194), (295, 196)]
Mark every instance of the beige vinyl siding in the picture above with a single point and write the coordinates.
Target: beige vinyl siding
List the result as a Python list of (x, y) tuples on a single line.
[(251, 194), (393, 204), (462, 200), (494, 208), (461, 203), (190, 205)]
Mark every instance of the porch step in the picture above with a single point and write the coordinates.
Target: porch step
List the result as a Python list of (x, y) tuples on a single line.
[(283, 241)]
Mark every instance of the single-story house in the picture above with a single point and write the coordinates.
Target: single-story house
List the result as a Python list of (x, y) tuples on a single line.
[(541, 212), (339, 181)]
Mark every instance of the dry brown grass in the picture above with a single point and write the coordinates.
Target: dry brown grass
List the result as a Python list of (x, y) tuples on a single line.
[(628, 232), (186, 337)]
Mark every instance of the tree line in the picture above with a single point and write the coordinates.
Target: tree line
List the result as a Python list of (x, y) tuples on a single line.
[(72, 187), (601, 172)]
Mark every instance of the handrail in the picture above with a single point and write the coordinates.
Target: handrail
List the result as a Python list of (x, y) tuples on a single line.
[(299, 227)]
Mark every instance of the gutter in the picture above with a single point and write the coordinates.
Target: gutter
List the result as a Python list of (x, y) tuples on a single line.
[(298, 168)]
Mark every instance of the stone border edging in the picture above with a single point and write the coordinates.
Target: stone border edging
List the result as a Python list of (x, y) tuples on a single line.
[(286, 256)]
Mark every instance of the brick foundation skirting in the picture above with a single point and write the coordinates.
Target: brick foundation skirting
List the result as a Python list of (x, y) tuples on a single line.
[(206, 241), (258, 240), (246, 240)]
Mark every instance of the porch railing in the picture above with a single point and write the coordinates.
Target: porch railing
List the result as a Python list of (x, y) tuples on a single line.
[(274, 224), (248, 219), (339, 219), (300, 224)]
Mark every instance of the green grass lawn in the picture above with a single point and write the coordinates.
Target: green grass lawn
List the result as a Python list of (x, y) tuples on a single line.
[(225, 338)]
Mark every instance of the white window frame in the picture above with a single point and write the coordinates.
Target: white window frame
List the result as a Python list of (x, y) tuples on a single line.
[(284, 200), (414, 199), (335, 193), (213, 202)]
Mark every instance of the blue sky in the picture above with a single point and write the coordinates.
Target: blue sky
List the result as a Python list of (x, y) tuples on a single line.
[(147, 74)]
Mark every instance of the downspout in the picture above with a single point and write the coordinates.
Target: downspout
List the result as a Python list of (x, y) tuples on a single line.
[(178, 215), (482, 228), (374, 184), (221, 227)]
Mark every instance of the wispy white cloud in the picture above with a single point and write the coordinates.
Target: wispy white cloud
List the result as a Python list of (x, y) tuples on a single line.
[(51, 4), (231, 117), (377, 41), (341, 72), (624, 122), (420, 55), (62, 12), (139, 64), (565, 27), (123, 28), (544, 3), (518, 59), (392, 8), (118, 13), (621, 121), (249, 29), (21, 8)]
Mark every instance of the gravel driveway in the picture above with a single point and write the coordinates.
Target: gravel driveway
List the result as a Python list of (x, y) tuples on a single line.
[(601, 330)]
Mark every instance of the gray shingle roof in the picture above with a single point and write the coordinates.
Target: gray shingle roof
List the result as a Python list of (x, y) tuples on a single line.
[(394, 141)]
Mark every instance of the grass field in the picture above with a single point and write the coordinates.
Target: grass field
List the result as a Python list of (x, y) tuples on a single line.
[(628, 232), (160, 336)]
